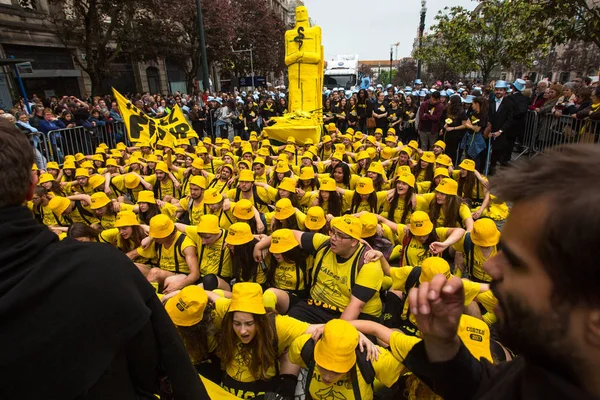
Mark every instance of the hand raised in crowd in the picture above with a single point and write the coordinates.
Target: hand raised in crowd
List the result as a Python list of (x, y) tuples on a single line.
[(437, 247)]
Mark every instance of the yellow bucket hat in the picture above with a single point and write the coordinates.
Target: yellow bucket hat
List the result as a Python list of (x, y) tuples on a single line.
[(82, 172), (387, 153), (209, 223), (44, 178), (161, 226), (407, 178), (369, 224), (338, 155), (59, 205), (87, 164), (247, 297), (282, 240), (391, 131), (407, 150), (441, 172), (441, 144), (98, 157), (198, 163), (212, 196), (362, 155), (485, 233), (365, 186), (246, 175), (447, 186), (444, 159), (326, 139), (99, 200), (420, 224), (52, 165), (350, 130), (79, 157), (69, 164), (263, 151), (121, 146), (428, 156), (331, 127), (247, 163), (307, 173), (111, 162), (315, 218), (327, 185), (126, 218), (146, 196), (282, 168), (284, 209), (413, 144), (467, 165), (201, 150), (132, 181), (349, 225), (199, 181), (243, 210), (379, 130), (186, 308), (163, 167), (259, 160), (336, 350), (433, 266), (287, 184), (239, 233), (96, 181), (377, 168)]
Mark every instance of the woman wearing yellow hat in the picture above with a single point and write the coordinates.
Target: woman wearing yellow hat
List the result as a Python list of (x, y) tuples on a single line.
[(376, 172), (325, 147), (328, 198), (105, 209), (285, 190), (285, 216), (245, 211), (423, 171), (148, 207), (445, 207), (479, 246), (53, 169), (429, 187), (213, 204), (316, 221), (126, 235), (364, 198), (67, 174), (241, 242), (471, 189), (281, 170), (363, 162), (342, 176), (51, 185)]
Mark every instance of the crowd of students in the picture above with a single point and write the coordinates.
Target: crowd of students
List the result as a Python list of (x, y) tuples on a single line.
[(254, 246)]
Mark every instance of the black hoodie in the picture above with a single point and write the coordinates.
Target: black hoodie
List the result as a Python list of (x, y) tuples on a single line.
[(79, 321)]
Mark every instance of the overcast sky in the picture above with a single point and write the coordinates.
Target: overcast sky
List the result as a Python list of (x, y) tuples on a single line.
[(369, 27)]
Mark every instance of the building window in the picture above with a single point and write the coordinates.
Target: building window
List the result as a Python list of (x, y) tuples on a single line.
[(28, 4)]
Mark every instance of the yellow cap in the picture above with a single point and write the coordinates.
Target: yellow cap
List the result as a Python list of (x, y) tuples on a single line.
[(79, 157), (161, 226), (307, 173), (44, 178), (121, 146), (239, 233), (331, 127), (443, 159), (162, 166), (338, 155), (369, 224), (246, 175), (259, 160), (209, 223), (377, 168), (59, 205), (284, 209), (186, 308), (98, 157), (282, 240), (201, 150), (87, 164), (111, 162), (52, 165), (441, 172), (349, 225), (290, 149), (247, 163), (387, 153), (441, 144), (69, 164), (371, 152), (407, 178), (143, 144), (420, 224), (433, 266), (365, 186), (288, 184), (403, 169), (407, 150), (315, 218), (327, 185), (428, 156), (350, 130), (372, 140), (379, 130), (485, 233), (326, 139), (126, 218), (96, 181), (308, 141), (247, 297), (243, 209), (212, 196), (357, 135), (447, 186), (413, 144), (99, 200), (263, 151), (282, 167), (336, 350), (198, 163), (391, 131), (308, 154), (199, 181), (82, 172), (362, 155), (391, 138), (467, 165), (291, 139), (237, 139), (132, 181), (146, 196), (69, 157)]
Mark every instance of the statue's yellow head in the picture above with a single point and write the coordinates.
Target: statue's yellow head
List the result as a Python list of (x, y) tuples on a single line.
[(301, 14)]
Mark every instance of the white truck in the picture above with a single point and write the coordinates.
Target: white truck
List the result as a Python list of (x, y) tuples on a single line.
[(342, 72)]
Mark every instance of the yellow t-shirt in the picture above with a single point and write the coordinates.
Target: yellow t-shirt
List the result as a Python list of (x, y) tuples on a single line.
[(167, 258), (164, 188), (197, 210), (478, 259), (416, 251), (364, 205), (397, 217), (46, 214), (119, 183), (107, 221), (213, 259), (226, 218), (463, 211), (88, 219), (112, 236), (332, 284), (261, 201), (387, 371)]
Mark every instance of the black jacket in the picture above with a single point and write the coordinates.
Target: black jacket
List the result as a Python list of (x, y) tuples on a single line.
[(519, 115), (501, 120), (79, 321), (465, 378)]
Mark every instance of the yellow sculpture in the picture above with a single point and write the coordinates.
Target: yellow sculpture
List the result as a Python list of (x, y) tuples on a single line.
[(304, 56)]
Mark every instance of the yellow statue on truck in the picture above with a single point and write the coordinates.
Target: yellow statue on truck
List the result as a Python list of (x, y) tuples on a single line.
[(304, 57)]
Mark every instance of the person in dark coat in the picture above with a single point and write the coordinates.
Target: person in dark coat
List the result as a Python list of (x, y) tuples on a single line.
[(516, 131), (500, 116)]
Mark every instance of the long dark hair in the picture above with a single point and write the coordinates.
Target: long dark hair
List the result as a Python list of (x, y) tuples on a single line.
[(334, 205), (483, 106), (466, 185), (195, 337), (80, 230), (145, 217), (455, 107), (289, 223), (346, 171), (244, 268), (295, 256), (428, 171), (394, 204), (451, 209), (135, 240), (356, 200)]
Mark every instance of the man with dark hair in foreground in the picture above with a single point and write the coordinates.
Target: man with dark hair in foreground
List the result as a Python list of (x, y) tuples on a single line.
[(78, 319), (547, 281)]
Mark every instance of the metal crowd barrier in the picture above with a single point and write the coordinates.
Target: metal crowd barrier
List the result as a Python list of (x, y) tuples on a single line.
[(54, 145), (545, 131)]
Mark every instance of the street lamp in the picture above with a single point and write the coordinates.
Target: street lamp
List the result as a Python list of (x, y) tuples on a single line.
[(421, 30), (251, 62), (205, 78)]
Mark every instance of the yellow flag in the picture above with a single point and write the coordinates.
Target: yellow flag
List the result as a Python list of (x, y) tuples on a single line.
[(142, 128)]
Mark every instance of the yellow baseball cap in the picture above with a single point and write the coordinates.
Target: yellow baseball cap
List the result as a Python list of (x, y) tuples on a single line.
[(96, 181), (161, 226), (336, 350), (52, 165), (284, 209), (212, 196), (288, 184), (44, 178), (162, 166), (243, 210), (186, 308), (239, 233), (199, 181), (441, 172), (349, 225), (365, 186), (328, 185), (282, 240), (126, 218), (369, 225), (428, 156), (433, 266), (132, 181), (306, 173), (59, 205), (443, 159), (407, 178), (413, 144), (146, 196), (99, 200), (209, 223), (467, 165), (198, 163), (246, 175), (447, 186), (82, 172), (377, 168), (441, 144), (420, 224), (247, 297), (485, 233), (315, 218)]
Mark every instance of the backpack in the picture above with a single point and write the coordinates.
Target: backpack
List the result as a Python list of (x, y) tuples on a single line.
[(223, 248), (412, 281), (358, 263), (366, 368), (177, 250)]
